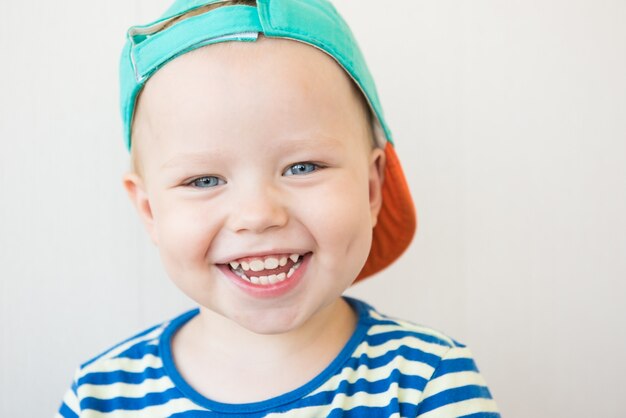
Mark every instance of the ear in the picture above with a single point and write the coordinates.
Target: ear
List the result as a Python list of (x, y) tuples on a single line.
[(378, 160), (136, 190)]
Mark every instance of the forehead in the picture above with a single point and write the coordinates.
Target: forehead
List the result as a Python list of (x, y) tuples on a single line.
[(286, 67), (234, 90)]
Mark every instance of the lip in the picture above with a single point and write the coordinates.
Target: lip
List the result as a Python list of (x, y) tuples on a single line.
[(259, 254), (268, 291)]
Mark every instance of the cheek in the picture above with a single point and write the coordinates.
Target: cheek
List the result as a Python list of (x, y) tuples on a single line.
[(340, 220), (185, 233)]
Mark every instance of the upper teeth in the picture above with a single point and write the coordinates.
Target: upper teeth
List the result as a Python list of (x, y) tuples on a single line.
[(266, 263), (270, 279)]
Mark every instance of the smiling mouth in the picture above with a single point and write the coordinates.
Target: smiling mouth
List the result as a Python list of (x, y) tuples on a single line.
[(267, 270)]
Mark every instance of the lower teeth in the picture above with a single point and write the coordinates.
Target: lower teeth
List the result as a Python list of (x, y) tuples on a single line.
[(265, 280)]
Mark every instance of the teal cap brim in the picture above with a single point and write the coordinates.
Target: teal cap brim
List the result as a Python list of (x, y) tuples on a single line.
[(314, 22)]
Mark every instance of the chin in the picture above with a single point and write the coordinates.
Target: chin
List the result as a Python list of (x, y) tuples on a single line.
[(271, 322), (269, 329)]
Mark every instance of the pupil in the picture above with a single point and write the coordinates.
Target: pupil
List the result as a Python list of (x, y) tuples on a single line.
[(206, 181)]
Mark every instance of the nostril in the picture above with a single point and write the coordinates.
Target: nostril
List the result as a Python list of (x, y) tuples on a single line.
[(258, 215)]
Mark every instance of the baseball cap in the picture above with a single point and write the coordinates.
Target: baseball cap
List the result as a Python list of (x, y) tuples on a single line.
[(191, 24)]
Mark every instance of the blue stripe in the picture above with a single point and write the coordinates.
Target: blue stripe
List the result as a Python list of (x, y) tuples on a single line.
[(451, 396), (136, 336), (213, 414), (384, 321), (444, 341), (120, 376), (139, 350), (194, 414), (382, 338), (458, 344), (66, 412), (75, 388), (454, 366), (362, 385), (131, 404), (409, 409), (363, 411), (404, 409), (391, 363), (408, 353), (389, 321)]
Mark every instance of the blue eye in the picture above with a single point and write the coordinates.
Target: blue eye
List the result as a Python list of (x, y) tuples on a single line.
[(301, 168), (207, 182)]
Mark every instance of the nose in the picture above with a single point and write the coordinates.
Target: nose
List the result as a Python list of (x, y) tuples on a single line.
[(258, 210)]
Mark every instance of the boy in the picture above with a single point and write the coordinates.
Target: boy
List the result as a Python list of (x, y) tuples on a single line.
[(263, 172)]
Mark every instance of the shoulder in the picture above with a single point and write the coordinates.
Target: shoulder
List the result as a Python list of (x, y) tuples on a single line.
[(139, 352), (385, 330), (412, 348), (442, 370), (129, 347), (129, 375)]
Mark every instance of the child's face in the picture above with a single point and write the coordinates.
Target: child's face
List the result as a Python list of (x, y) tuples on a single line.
[(253, 150)]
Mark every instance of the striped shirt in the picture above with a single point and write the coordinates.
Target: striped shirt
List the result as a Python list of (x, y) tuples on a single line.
[(388, 368)]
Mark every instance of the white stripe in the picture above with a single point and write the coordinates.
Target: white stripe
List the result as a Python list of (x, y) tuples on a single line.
[(70, 399), (408, 326), (153, 335), (347, 403), (470, 406), (391, 345), (127, 390), (124, 364), (407, 367), (453, 380), (459, 352), (172, 407), (71, 402)]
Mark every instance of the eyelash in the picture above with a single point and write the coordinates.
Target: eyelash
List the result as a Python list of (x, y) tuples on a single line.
[(305, 163), (219, 182), (315, 166)]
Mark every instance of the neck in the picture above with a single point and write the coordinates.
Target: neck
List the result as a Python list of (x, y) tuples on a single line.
[(227, 362), (332, 326)]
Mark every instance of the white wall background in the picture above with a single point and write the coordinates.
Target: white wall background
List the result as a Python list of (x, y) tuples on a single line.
[(510, 120)]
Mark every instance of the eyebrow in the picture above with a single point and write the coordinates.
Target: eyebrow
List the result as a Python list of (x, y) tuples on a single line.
[(192, 158), (312, 142), (318, 142)]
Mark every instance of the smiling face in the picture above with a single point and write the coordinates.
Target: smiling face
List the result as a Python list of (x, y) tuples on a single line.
[(258, 184)]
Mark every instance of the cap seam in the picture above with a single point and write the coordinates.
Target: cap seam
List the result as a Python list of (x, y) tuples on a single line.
[(137, 50)]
